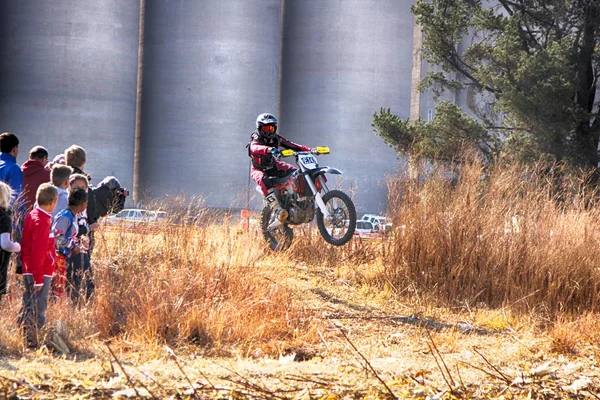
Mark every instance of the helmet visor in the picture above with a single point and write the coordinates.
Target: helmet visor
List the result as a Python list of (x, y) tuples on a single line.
[(268, 128)]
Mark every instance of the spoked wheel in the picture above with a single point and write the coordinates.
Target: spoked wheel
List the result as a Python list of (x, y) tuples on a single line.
[(279, 238), (338, 228)]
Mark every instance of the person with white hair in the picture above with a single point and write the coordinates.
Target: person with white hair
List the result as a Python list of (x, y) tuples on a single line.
[(7, 246)]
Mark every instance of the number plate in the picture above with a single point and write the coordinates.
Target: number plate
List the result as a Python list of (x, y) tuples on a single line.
[(308, 160)]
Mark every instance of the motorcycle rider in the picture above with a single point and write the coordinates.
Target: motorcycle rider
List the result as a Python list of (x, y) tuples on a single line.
[(264, 144)]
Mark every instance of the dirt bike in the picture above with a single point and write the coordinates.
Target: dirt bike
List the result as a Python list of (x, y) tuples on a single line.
[(303, 192)]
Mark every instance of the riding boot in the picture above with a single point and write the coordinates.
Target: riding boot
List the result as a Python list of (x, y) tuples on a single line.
[(278, 211)]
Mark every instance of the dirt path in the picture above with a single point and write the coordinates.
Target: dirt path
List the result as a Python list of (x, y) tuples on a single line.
[(370, 345)]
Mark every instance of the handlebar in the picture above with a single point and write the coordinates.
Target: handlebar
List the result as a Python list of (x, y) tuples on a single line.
[(319, 150)]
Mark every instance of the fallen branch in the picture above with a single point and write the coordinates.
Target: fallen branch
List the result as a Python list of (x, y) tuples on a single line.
[(305, 380), (593, 394), (151, 378), (249, 385), (435, 351), (483, 370), (127, 375), (368, 363), (460, 378), (174, 357), (21, 382), (415, 320), (506, 378)]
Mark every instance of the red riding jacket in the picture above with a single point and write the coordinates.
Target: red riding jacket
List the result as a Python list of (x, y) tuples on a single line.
[(37, 246), (260, 148)]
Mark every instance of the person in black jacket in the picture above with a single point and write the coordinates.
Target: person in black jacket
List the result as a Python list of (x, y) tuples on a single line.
[(109, 196)]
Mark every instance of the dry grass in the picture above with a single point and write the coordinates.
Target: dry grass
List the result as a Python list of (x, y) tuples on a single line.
[(208, 290), (515, 254), (177, 285), (576, 336), (508, 237)]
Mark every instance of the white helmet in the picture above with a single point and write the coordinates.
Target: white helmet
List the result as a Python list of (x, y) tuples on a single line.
[(266, 119)]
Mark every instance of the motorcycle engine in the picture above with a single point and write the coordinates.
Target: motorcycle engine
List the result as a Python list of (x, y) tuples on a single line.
[(301, 211)]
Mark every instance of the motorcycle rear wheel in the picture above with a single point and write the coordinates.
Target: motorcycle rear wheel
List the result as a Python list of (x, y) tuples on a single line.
[(280, 238), (339, 228)]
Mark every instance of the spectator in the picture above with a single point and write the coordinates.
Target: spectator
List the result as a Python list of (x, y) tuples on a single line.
[(9, 170), (37, 258), (75, 157), (7, 246), (110, 197), (79, 270), (34, 174), (65, 230), (58, 159), (59, 176), (11, 173)]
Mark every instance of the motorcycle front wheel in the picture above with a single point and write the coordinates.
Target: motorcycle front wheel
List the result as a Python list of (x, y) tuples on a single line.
[(338, 228), (279, 238)]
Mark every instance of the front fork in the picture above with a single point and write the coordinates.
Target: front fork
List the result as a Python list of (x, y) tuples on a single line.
[(318, 197)]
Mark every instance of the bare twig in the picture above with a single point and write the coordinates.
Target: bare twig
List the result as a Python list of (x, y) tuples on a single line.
[(593, 394), (21, 382), (460, 378), (124, 372), (174, 357), (149, 377), (506, 378), (433, 347), (483, 370), (305, 379), (512, 336), (368, 363), (246, 383), (323, 339), (418, 381)]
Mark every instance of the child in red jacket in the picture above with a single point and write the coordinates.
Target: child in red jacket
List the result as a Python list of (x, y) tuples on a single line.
[(37, 250)]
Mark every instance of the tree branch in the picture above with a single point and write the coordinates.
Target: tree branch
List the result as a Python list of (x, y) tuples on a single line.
[(507, 128), (454, 60)]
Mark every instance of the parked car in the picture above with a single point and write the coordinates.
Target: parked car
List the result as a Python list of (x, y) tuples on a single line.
[(366, 230), (131, 217), (380, 223), (157, 216)]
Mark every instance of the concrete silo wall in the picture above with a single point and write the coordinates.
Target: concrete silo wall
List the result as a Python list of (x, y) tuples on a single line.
[(210, 67), (68, 75), (341, 62)]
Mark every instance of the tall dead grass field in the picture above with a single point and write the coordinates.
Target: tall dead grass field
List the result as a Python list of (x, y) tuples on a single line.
[(177, 285), (523, 240), (526, 238)]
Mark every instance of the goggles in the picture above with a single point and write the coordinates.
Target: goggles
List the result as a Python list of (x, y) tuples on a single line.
[(268, 128)]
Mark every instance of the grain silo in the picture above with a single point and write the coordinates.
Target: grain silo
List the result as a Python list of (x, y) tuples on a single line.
[(210, 67), (341, 62), (68, 75)]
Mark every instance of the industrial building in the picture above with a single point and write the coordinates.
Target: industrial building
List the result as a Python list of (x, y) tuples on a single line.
[(164, 94)]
